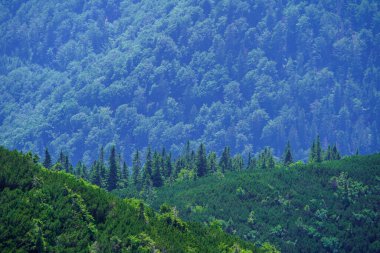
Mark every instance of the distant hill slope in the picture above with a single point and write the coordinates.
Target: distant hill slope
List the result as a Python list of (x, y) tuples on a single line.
[(78, 74), (45, 211), (327, 207)]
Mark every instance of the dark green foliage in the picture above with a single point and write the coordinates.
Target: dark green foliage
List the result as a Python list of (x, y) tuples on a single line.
[(225, 162), (201, 161), (47, 161), (113, 175), (51, 211), (332, 206), (288, 157), (136, 169)]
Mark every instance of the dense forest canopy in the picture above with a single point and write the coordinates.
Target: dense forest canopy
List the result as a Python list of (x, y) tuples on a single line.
[(52, 211), (76, 75)]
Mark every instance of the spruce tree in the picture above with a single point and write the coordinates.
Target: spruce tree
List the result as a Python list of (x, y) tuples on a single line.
[(47, 161), (125, 175), (156, 173), (201, 161), (147, 173), (288, 157), (136, 169), (335, 153), (168, 166), (312, 153), (318, 151), (211, 162), (112, 177), (225, 160), (95, 177)]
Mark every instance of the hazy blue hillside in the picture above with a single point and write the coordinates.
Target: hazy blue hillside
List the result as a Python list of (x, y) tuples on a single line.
[(75, 75)]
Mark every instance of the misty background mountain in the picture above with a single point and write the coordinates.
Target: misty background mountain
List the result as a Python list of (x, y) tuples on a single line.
[(76, 75)]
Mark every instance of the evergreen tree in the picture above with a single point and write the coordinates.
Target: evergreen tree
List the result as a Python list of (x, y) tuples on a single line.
[(312, 154), (288, 157), (112, 177), (318, 150), (125, 175), (237, 163), (147, 173), (96, 174), (335, 153), (168, 166), (201, 161), (156, 173), (225, 160), (328, 154), (211, 162), (103, 169), (136, 169), (251, 163), (47, 161)]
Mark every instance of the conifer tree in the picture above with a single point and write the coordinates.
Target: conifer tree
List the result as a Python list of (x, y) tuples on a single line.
[(201, 161), (96, 174), (312, 153), (156, 173), (125, 174), (136, 169), (211, 162), (237, 163), (251, 163), (288, 157), (47, 161), (168, 166), (147, 173), (225, 160), (318, 150), (112, 177), (335, 153)]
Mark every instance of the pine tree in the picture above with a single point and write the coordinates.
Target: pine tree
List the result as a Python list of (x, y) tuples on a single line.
[(168, 166), (288, 157), (251, 163), (312, 154), (95, 174), (125, 175), (47, 161), (237, 163), (136, 169), (318, 151), (201, 161), (335, 153), (112, 177), (147, 173), (225, 161), (211, 162), (156, 173)]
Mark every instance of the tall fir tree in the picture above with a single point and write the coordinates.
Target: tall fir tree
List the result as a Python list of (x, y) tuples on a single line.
[(47, 161), (201, 161), (288, 157), (251, 162), (112, 177), (148, 166), (225, 160), (212, 165), (136, 170), (156, 170), (318, 150), (95, 176)]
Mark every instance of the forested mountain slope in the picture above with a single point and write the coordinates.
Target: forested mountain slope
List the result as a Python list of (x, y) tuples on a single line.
[(75, 75), (50, 211), (331, 206)]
